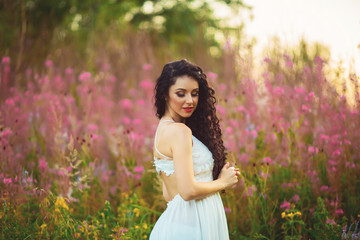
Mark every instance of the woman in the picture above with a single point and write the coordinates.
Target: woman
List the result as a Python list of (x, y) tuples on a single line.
[(190, 156)]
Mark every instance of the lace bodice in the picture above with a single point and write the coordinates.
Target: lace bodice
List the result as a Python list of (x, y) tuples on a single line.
[(203, 161)]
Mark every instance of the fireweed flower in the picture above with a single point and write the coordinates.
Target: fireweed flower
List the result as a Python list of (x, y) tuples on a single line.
[(285, 205)]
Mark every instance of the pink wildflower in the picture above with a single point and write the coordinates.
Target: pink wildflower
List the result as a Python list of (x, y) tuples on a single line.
[(244, 158), (267, 60), (69, 71), (48, 63), (285, 205), (324, 188), (330, 221), (84, 76), (339, 211), (138, 169), (147, 84), (267, 160), (140, 102), (5, 60), (221, 110), (212, 75), (42, 164), (278, 91), (126, 120), (336, 153), (289, 64), (146, 67), (7, 180), (92, 127), (227, 210), (126, 103), (295, 198)]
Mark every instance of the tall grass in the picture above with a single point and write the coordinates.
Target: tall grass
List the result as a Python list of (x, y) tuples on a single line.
[(76, 153)]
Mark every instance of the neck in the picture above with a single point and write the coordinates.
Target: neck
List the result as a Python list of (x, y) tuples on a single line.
[(167, 116)]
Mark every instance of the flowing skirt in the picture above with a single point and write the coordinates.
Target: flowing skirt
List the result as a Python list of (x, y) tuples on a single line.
[(202, 219)]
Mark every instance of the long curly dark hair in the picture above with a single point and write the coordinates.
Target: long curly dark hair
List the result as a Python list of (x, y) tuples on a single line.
[(203, 123)]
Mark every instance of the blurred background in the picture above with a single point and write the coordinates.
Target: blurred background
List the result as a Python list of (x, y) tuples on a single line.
[(77, 118)]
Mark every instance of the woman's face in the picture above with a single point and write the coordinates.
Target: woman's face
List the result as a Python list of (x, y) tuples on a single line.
[(182, 99)]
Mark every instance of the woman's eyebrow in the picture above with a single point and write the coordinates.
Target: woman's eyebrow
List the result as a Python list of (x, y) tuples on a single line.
[(185, 89)]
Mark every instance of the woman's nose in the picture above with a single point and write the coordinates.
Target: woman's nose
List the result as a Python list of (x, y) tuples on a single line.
[(189, 98)]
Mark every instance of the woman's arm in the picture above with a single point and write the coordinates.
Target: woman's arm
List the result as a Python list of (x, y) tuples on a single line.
[(181, 146)]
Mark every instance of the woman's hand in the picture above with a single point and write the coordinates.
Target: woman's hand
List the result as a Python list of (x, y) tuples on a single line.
[(228, 175)]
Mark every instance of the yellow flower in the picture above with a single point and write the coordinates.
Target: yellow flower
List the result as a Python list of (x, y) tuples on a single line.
[(124, 195), (298, 213), (145, 226), (145, 236), (43, 226), (291, 215), (137, 227), (77, 235), (136, 211), (283, 214), (60, 202)]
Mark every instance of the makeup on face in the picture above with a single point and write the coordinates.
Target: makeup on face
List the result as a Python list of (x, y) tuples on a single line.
[(183, 97)]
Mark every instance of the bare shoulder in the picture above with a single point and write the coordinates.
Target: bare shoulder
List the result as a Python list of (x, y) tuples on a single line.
[(179, 131)]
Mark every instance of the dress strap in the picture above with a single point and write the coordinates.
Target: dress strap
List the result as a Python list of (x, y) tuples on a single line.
[(166, 157)]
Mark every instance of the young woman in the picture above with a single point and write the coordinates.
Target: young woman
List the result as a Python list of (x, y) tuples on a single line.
[(190, 156)]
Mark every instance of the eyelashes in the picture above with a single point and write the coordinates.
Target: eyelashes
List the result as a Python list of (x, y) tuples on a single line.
[(183, 95)]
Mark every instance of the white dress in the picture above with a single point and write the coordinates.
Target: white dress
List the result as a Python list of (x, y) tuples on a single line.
[(202, 219)]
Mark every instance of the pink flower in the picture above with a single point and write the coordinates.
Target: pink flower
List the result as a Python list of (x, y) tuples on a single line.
[(7, 180), (324, 188), (126, 103), (140, 102), (5, 60), (222, 87), (240, 108), (336, 153), (227, 209), (42, 164), (244, 158), (147, 84), (84, 76), (212, 75), (278, 91), (146, 67), (69, 71), (229, 130), (295, 198), (267, 60), (137, 121), (126, 120), (313, 149), (92, 127), (307, 69), (330, 221), (323, 136), (221, 110), (267, 160), (48, 63), (339, 211), (285, 205), (289, 64), (138, 169)]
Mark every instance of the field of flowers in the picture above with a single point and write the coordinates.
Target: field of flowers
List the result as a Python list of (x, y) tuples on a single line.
[(76, 154)]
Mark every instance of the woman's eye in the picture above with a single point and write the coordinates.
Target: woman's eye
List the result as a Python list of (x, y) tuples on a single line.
[(180, 94)]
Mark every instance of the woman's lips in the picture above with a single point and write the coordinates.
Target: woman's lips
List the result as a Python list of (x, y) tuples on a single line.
[(188, 109)]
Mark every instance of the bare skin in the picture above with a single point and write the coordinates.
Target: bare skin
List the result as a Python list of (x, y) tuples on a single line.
[(175, 140)]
